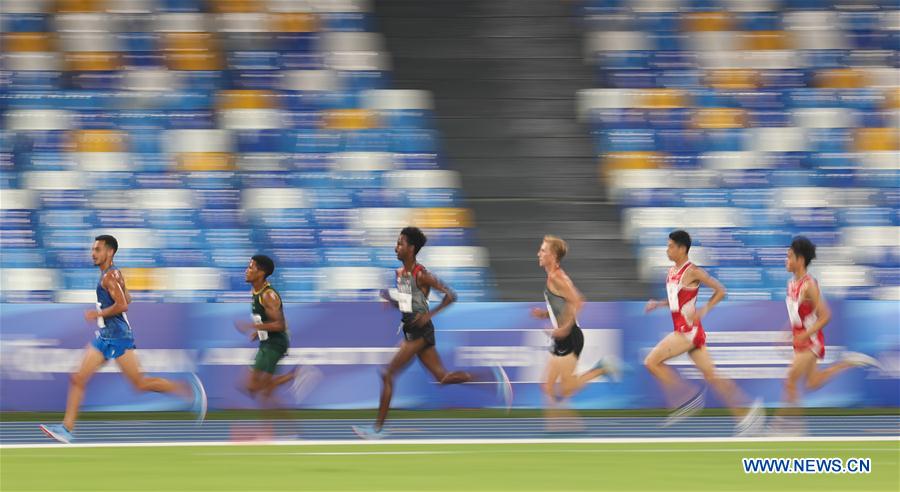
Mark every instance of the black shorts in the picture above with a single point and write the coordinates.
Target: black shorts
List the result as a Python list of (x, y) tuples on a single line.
[(412, 332), (572, 344)]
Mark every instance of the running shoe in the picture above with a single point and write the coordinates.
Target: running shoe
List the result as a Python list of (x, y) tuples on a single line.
[(199, 405), (687, 409), (504, 387), (58, 432), (369, 433)]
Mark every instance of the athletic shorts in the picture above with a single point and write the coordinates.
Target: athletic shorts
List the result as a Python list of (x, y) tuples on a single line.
[(268, 356), (815, 343), (696, 334), (113, 348), (572, 344), (412, 332)]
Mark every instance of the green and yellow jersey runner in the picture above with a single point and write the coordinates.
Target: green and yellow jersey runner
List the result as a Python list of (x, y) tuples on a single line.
[(273, 345)]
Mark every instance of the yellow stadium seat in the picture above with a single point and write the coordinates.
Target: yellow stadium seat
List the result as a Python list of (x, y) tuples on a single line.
[(246, 99), (99, 141), (660, 99), (613, 161), (892, 99), (732, 79), (192, 51), (350, 119), (143, 278), (89, 61), (293, 22), (441, 218), (205, 161), (763, 40), (236, 6), (719, 118), (27, 41), (840, 78), (72, 6), (193, 60), (706, 21), (190, 41), (877, 139)]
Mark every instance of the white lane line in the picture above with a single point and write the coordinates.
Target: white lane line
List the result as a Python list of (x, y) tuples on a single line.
[(533, 451), (334, 442)]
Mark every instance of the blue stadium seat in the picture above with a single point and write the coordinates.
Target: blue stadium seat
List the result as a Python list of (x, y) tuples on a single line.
[(762, 237), (286, 238), (331, 238), (347, 257), (14, 257)]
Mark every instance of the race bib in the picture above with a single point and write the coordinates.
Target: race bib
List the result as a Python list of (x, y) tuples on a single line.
[(261, 334), (404, 301), (101, 323), (672, 294), (793, 308)]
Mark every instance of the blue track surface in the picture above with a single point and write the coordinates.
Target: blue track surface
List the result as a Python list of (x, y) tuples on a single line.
[(169, 431)]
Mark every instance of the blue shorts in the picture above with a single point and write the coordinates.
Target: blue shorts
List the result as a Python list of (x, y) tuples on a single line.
[(113, 348)]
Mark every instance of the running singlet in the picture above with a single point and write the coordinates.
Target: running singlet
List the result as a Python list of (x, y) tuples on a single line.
[(574, 341), (410, 298), (413, 302), (279, 338), (803, 317), (683, 301), (114, 326)]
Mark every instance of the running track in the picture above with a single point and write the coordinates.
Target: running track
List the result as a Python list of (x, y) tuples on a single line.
[(411, 430)]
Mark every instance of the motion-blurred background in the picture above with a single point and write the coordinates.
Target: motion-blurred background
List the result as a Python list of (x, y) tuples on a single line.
[(200, 132)]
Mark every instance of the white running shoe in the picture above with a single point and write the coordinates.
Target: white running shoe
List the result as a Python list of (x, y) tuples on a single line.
[(369, 433), (753, 423), (860, 359), (504, 386), (687, 409), (612, 367), (200, 404), (306, 378)]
